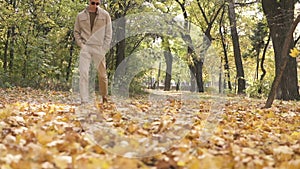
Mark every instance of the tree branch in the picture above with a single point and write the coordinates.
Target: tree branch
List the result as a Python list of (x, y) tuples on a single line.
[(246, 3), (202, 11), (296, 41)]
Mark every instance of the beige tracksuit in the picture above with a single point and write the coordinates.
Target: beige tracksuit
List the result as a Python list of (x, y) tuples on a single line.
[(94, 45)]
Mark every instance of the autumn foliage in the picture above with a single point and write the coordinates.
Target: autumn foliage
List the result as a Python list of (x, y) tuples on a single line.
[(39, 129)]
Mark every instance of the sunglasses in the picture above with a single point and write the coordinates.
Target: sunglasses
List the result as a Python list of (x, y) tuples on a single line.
[(93, 3)]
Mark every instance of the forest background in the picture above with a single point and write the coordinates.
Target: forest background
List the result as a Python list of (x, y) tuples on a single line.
[(254, 45), (37, 47)]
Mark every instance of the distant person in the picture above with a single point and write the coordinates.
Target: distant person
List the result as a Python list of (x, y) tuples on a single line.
[(93, 34)]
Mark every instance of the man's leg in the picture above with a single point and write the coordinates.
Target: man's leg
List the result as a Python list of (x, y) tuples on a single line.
[(84, 66), (103, 82)]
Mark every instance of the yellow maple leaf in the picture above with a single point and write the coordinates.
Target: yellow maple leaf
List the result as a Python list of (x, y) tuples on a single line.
[(294, 52), (117, 116), (181, 163), (295, 135)]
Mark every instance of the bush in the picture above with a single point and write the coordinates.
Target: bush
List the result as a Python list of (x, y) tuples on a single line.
[(259, 89)]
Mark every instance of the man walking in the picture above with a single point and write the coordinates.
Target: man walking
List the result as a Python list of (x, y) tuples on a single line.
[(93, 34)]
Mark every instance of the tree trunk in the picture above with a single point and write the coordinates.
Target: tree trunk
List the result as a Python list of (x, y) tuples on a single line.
[(197, 66), (5, 57), (199, 78), (120, 49), (110, 60), (280, 15), (263, 59), (158, 75), (193, 79), (26, 54), (221, 85), (169, 59), (121, 45), (283, 70), (69, 67), (237, 52), (224, 45), (257, 63), (206, 42), (12, 50), (12, 42), (262, 64)]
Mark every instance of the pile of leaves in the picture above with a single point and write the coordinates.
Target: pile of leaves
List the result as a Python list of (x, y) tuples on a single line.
[(41, 129)]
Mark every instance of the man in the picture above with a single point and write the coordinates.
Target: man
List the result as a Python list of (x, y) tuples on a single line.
[(93, 34)]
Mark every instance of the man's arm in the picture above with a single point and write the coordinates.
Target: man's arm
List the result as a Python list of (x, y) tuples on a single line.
[(77, 32), (108, 34)]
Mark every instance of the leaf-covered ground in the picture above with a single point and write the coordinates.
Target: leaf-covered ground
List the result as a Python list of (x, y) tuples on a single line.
[(40, 129)]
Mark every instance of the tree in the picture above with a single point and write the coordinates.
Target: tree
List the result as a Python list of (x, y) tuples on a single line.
[(9, 51), (236, 49), (282, 68), (280, 15), (222, 30), (257, 42), (165, 8), (262, 65), (118, 11), (198, 58), (196, 66), (40, 49), (169, 60)]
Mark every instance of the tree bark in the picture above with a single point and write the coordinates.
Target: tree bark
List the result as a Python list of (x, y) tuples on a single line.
[(236, 47), (12, 50), (5, 59), (197, 66), (26, 54), (169, 60), (193, 79), (262, 64), (69, 67), (120, 28), (280, 15), (199, 77), (120, 46), (224, 45), (285, 60), (257, 63)]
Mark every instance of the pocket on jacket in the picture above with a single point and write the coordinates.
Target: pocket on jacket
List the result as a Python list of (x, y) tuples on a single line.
[(83, 20), (100, 22)]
